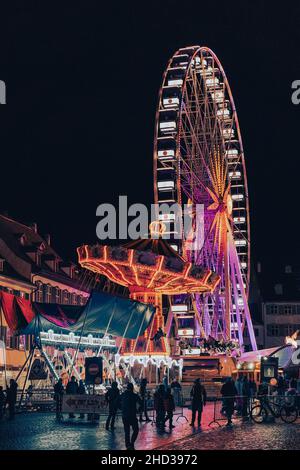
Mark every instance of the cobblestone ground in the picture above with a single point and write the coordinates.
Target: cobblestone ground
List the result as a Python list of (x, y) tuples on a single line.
[(247, 436), (41, 431)]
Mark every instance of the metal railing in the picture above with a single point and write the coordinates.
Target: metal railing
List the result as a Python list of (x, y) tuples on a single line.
[(259, 409)]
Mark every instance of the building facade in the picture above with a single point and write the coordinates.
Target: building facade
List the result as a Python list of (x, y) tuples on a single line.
[(31, 268)]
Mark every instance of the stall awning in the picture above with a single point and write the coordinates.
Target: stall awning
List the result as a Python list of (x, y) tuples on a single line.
[(103, 313)]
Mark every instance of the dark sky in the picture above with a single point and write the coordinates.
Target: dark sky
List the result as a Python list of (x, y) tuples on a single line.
[(82, 85)]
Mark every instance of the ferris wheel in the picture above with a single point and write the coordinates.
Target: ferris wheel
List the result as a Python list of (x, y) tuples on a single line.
[(199, 162)]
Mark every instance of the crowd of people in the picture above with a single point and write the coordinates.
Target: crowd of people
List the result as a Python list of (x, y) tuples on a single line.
[(209, 346), (132, 406)]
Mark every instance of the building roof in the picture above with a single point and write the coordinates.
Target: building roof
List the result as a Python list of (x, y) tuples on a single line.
[(279, 283), (23, 242)]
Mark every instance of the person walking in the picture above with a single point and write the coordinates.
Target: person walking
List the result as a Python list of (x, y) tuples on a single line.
[(58, 394), (144, 398), (229, 392), (81, 391), (176, 388), (169, 408), (2, 402), (246, 397), (280, 385), (112, 397), (198, 395), (253, 388), (239, 389), (159, 407), (130, 402), (72, 389), (11, 398), (165, 382)]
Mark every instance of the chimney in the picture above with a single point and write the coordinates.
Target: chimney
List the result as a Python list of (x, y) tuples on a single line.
[(259, 267), (48, 239), (34, 227)]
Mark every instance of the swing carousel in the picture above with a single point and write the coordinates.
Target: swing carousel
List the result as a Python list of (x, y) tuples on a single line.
[(149, 268)]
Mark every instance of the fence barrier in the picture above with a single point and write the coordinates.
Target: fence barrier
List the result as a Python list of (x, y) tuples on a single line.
[(241, 407), (245, 408)]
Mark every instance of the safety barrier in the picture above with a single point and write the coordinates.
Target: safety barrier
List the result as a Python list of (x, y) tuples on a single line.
[(241, 407)]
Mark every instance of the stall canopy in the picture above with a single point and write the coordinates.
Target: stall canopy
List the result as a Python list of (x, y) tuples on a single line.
[(103, 313)]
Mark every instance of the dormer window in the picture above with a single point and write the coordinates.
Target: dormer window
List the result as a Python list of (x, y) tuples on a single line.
[(52, 262), (23, 239), (42, 246)]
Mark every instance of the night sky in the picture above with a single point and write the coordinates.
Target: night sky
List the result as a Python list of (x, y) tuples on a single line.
[(82, 85)]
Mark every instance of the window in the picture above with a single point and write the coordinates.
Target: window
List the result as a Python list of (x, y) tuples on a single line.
[(74, 297), (272, 309), (48, 293), (278, 288), (256, 331), (287, 309), (273, 330), (289, 330), (66, 297), (39, 292), (3, 331), (57, 295), (12, 342)]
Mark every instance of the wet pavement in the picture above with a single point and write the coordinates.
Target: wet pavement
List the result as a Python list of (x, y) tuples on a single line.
[(41, 431), (243, 436)]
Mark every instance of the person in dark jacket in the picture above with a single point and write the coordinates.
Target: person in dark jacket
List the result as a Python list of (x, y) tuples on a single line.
[(130, 402), (72, 389), (229, 392), (169, 408), (81, 391), (159, 406), (58, 394), (253, 388), (2, 402), (176, 389), (144, 398), (11, 397), (198, 395), (246, 397), (113, 399)]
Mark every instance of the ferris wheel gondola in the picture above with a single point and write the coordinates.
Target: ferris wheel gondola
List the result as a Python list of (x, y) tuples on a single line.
[(199, 160)]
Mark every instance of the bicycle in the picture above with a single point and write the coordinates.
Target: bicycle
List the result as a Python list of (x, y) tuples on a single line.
[(287, 412)]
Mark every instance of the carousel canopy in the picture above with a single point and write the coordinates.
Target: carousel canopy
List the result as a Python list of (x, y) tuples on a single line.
[(149, 264)]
